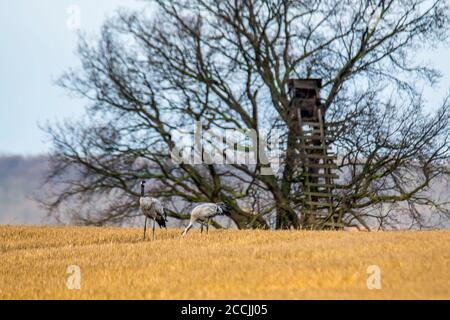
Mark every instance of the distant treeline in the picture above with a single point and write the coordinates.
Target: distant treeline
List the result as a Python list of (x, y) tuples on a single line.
[(21, 178)]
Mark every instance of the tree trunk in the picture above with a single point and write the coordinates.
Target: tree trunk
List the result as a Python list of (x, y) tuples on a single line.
[(287, 218)]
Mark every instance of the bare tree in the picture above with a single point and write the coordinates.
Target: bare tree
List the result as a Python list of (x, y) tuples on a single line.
[(227, 64)]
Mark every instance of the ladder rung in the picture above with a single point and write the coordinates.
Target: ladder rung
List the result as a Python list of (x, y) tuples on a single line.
[(318, 215), (311, 124), (324, 217), (319, 194), (317, 124), (314, 134), (319, 156), (315, 131), (320, 175), (319, 185), (309, 131), (321, 166), (316, 142), (333, 224), (319, 204), (316, 147), (315, 137)]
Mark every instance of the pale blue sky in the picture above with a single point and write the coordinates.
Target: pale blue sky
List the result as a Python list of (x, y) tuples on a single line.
[(36, 46)]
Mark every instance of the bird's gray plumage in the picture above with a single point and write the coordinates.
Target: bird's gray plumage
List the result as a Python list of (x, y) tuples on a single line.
[(203, 213), (153, 209)]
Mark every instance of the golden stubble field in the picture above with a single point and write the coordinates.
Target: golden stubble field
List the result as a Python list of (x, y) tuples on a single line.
[(115, 263)]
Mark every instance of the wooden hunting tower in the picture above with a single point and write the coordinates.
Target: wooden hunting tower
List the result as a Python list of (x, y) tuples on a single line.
[(316, 163)]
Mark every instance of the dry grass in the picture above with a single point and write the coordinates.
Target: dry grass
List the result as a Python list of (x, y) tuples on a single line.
[(116, 263)]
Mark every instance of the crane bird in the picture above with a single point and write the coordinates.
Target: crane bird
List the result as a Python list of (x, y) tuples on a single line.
[(205, 212), (152, 208)]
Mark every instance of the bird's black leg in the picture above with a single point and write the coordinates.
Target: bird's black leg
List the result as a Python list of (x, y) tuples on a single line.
[(154, 229), (207, 226), (145, 226), (201, 228)]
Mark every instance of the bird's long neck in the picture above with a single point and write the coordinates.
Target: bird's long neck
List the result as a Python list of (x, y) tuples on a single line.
[(142, 191)]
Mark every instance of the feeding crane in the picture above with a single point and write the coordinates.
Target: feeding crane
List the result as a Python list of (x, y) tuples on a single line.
[(205, 212)]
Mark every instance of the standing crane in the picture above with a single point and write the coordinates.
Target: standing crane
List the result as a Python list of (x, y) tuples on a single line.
[(152, 208)]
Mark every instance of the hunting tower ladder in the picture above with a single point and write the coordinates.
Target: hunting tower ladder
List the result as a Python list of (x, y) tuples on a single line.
[(316, 161)]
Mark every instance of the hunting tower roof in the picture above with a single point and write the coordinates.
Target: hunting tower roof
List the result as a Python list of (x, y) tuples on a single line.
[(311, 83)]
